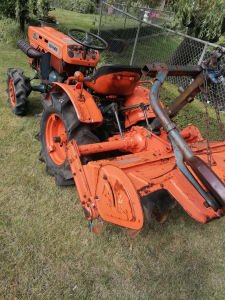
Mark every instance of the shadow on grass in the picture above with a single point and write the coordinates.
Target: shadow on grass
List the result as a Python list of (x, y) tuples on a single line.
[(34, 107)]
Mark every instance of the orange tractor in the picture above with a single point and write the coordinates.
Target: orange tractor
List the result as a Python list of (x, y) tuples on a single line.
[(105, 131)]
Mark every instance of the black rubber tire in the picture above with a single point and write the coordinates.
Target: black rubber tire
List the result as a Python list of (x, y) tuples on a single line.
[(75, 130), (22, 90), (157, 204)]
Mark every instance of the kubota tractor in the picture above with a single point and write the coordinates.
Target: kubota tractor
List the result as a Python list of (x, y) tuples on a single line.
[(102, 129)]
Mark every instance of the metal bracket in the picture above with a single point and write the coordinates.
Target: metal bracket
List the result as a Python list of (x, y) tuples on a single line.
[(181, 166)]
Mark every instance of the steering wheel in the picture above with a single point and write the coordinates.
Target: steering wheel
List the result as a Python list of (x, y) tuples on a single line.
[(87, 39)]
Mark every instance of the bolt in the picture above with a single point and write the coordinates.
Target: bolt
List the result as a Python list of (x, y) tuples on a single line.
[(57, 139), (51, 148), (206, 204)]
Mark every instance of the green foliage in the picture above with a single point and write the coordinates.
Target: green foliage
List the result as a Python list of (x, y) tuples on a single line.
[(67, 4), (8, 8), (204, 19), (33, 7), (83, 6), (22, 12), (43, 7), (212, 23), (9, 31)]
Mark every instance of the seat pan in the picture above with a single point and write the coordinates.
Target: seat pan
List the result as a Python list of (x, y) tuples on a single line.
[(114, 80)]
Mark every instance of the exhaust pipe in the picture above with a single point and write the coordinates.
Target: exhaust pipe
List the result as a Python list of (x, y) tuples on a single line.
[(28, 49)]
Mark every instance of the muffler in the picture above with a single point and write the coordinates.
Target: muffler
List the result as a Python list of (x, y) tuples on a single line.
[(28, 49)]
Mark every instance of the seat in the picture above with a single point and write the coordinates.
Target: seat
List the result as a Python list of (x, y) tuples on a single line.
[(114, 80)]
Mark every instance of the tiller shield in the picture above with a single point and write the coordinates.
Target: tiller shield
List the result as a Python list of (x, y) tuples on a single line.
[(112, 190)]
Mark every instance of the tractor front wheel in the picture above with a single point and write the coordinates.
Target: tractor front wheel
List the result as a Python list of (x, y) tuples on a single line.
[(18, 88), (59, 124)]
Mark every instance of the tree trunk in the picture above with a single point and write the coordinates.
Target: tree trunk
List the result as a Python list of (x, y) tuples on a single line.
[(22, 21)]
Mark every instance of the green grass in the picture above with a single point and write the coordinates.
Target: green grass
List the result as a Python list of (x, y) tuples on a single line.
[(158, 49), (47, 252), (195, 113), (72, 19)]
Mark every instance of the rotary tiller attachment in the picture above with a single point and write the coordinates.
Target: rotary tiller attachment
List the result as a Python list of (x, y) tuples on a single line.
[(121, 189)]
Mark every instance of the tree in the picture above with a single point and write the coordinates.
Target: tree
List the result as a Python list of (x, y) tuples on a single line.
[(33, 6), (43, 7), (202, 18), (8, 8), (22, 12)]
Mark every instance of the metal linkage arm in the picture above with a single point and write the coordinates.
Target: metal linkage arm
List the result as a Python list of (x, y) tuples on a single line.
[(171, 70), (207, 177)]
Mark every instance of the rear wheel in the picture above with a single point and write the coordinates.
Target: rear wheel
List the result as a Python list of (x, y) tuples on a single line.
[(18, 88), (59, 124)]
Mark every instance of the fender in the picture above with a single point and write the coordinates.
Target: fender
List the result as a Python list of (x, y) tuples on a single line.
[(140, 95), (84, 105)]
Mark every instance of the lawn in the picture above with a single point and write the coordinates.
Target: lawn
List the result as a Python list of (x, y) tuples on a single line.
[(46, 249)]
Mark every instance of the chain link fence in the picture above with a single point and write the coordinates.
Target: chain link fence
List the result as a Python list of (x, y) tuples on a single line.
[(135, 41)]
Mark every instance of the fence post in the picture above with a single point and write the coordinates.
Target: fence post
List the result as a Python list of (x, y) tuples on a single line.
[(125, 20), (203, 54), (100, 18), (135, 44)]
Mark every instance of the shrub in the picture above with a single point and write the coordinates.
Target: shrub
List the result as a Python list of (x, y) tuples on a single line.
[(9, 31), (84, 6), (8, 8)]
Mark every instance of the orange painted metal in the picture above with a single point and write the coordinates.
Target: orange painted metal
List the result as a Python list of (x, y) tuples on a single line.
[(139, 95), (55, 129), (112, 189), (114, 199), (117, 199), (83, 102), (12, 93), (50, 40), (115, 84), (87, 199)]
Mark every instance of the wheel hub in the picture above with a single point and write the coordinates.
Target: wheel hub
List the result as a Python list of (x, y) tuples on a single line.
[(12, 93), (56, 139)]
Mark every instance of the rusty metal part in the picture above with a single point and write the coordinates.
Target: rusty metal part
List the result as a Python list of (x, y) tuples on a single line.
[(179, 160), (152, 70), (205, 91), (207, 177), (186, 97)]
